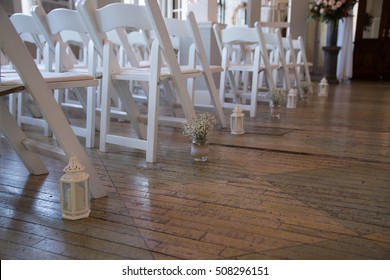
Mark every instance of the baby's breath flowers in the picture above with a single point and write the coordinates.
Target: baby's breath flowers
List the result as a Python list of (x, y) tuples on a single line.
[(200, 126), (306, 90), (306, 86), (278, 96)]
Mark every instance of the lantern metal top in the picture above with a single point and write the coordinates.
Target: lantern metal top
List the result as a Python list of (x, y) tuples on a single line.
[(323, 81), (74, 166), (237, 111)]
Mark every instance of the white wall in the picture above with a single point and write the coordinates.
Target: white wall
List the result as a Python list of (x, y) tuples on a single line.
[(204, 10), (298, 17)]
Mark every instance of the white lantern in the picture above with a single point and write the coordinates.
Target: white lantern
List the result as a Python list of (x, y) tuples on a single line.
[(323, 87), (74, 191), (237, 121), (292, 98)]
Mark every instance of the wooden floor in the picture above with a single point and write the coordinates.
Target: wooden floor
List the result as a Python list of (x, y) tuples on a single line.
[(313, 185)]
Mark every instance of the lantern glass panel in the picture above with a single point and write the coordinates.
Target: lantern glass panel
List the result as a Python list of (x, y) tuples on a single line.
[(66, 187), (81, 200)]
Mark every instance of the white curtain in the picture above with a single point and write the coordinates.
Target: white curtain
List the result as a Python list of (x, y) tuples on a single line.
[(345, 58)]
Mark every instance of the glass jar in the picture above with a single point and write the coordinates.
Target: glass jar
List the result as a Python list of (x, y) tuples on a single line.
[(276, 110), (305, 94), (199, 149)]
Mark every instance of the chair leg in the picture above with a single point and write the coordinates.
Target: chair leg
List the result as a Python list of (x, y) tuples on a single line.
[(91, 116), (12, 104), (19, 110), (153, 105), (153, 111), (222, 87), (253, 101), (105, 112)]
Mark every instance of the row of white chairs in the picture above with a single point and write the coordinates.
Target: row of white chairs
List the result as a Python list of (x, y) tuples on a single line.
[(52, 56), (254, 62), (97, 26), (27, 76)]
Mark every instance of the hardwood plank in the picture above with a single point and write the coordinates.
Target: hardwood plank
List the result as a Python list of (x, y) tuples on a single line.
[(21, 252), (121, 245), (246, 242), (182, 247), (383, 237), (116, 249), (368, 249), (18, 237), (76, 252)]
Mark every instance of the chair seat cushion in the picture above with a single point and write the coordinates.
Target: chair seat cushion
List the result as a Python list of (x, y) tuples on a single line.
[(53, 79), (144, 73)]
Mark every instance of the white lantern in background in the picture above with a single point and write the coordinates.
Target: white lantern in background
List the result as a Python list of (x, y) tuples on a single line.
[(292, 98), (74, 191), (323, 87), (237, 121)]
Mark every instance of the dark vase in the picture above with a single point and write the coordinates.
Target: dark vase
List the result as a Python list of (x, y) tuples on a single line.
[(331, 52), (331, 36)]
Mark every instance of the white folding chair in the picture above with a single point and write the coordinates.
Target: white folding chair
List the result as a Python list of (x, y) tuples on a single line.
[(170, 57), (85, 91), (255, 62), (30, 33), (127, 41), (133, 51), (195, 65), (32, 80), (63, 61), (116, 17), (235, 54), (301, 60), (188, 31), (277, 57), (285, 43)]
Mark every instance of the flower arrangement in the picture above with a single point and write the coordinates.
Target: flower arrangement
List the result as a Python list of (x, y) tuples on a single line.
[(330, 10), (278, 96), (306, 90), (306, 86), (200, 126)]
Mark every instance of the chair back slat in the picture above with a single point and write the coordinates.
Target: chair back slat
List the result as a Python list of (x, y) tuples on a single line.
[(118, 15), (25, 26), (65, 19), (239, 35)]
